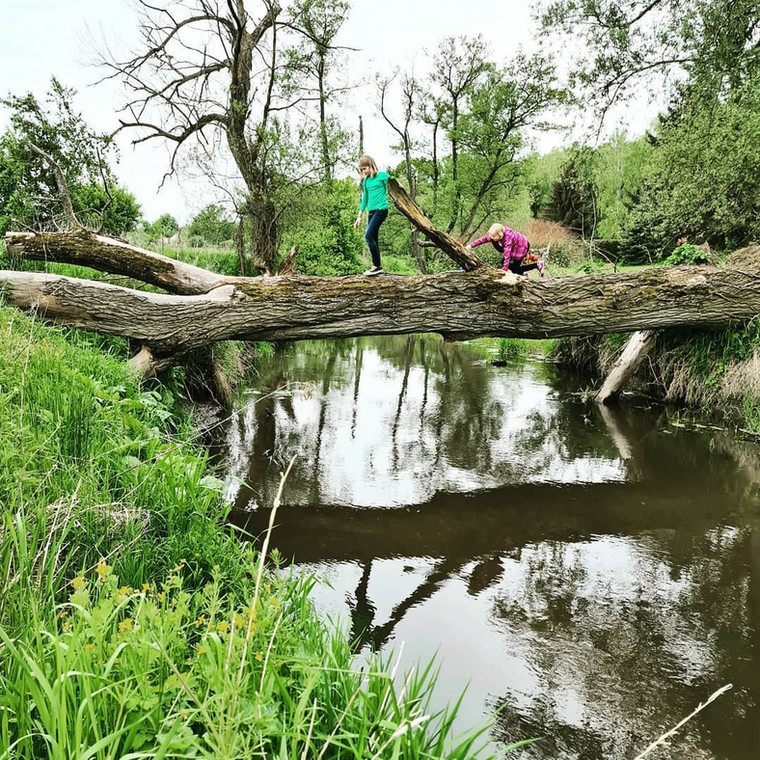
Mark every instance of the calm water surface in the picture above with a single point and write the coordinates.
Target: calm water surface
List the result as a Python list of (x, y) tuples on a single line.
[(590, 576)]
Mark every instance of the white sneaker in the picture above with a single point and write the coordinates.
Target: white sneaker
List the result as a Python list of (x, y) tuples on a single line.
[(373, 270)]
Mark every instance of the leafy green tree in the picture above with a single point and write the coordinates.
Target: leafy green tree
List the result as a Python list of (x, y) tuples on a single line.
[(459, 66), (212, 225), (311, 67), (166, 226), (29, 193), (711, 44), (618, 174), (573, 199), (491, 131), (703, 180), (112, 210), (540, 173)]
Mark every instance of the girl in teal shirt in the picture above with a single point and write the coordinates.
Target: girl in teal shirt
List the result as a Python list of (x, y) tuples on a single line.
[(375, 199)]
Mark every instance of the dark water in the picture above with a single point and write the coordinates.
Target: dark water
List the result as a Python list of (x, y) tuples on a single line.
[(589, 575)]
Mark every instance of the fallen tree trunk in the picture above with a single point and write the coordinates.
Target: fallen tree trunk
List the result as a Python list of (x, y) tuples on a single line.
[(107, 254), (461, 254), (458, 305)]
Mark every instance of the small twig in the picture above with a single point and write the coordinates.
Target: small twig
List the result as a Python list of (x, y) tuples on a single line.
[(663, 739)]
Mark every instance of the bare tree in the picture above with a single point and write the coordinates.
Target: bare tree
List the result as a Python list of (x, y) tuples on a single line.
[(431, 113), (205, 67), (410, 94)]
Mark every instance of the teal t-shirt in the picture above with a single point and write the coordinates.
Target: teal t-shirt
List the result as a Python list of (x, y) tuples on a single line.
[(375, 192)]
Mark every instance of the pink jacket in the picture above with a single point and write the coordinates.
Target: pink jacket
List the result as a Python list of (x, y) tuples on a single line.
[(513, 245)]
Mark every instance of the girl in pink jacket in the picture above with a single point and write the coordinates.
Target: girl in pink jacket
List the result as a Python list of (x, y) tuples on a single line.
[(514, 247)]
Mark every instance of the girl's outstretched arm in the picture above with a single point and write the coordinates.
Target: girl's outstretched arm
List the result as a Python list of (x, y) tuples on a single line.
[(480, 241)]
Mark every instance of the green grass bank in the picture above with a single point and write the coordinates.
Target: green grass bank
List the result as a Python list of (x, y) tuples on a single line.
[(133, 623)]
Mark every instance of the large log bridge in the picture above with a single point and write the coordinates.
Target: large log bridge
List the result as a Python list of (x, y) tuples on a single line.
[(202, 307)]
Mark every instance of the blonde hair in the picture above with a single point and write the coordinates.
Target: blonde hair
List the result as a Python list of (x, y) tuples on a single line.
[(369, 162), (496, 229)]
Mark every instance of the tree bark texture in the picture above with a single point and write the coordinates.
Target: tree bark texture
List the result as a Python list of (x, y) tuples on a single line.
[(458, 305), (628, 362), (107, 254), (460, 253)]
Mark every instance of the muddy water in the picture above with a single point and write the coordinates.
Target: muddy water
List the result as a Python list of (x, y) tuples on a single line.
[(589, 576)]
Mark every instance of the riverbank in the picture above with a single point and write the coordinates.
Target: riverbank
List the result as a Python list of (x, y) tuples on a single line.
[(132, 620), (713, 372)]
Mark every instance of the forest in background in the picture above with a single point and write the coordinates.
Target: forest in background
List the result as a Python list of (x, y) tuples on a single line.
[(284, 166)]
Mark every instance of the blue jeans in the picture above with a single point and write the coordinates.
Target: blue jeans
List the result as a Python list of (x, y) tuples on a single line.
[(374, 220)]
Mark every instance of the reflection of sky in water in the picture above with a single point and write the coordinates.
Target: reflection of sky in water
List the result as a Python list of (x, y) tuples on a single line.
[(586, 576), (377, 452), (504, 643)]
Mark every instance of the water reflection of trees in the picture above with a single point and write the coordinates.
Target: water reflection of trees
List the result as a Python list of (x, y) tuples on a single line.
[(617, 661), (670, 633), (445, 415), (435, 418)]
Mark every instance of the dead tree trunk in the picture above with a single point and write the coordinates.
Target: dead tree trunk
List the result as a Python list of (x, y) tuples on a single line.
[(107, 254), (628, 362), (458, 305), (481, 301), (462, 255)]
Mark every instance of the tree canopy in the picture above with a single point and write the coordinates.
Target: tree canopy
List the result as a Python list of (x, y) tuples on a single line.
[(30, 196)]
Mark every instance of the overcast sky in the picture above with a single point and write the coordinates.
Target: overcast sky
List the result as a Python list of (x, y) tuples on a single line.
[(42, 38)]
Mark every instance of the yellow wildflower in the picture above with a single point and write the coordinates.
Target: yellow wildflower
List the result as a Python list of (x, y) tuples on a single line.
[(161, 596), (146, 587), (78, 583), (126, 625), (259, 656), (200, 621), (89, 647), (102, 570), (201, 650), (222, 626), (275, 602)]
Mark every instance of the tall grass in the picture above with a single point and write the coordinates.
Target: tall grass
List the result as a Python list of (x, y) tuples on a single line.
[(132, 623)]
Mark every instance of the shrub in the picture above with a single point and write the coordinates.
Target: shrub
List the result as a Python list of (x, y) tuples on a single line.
[(328, 243), (688, 254)]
